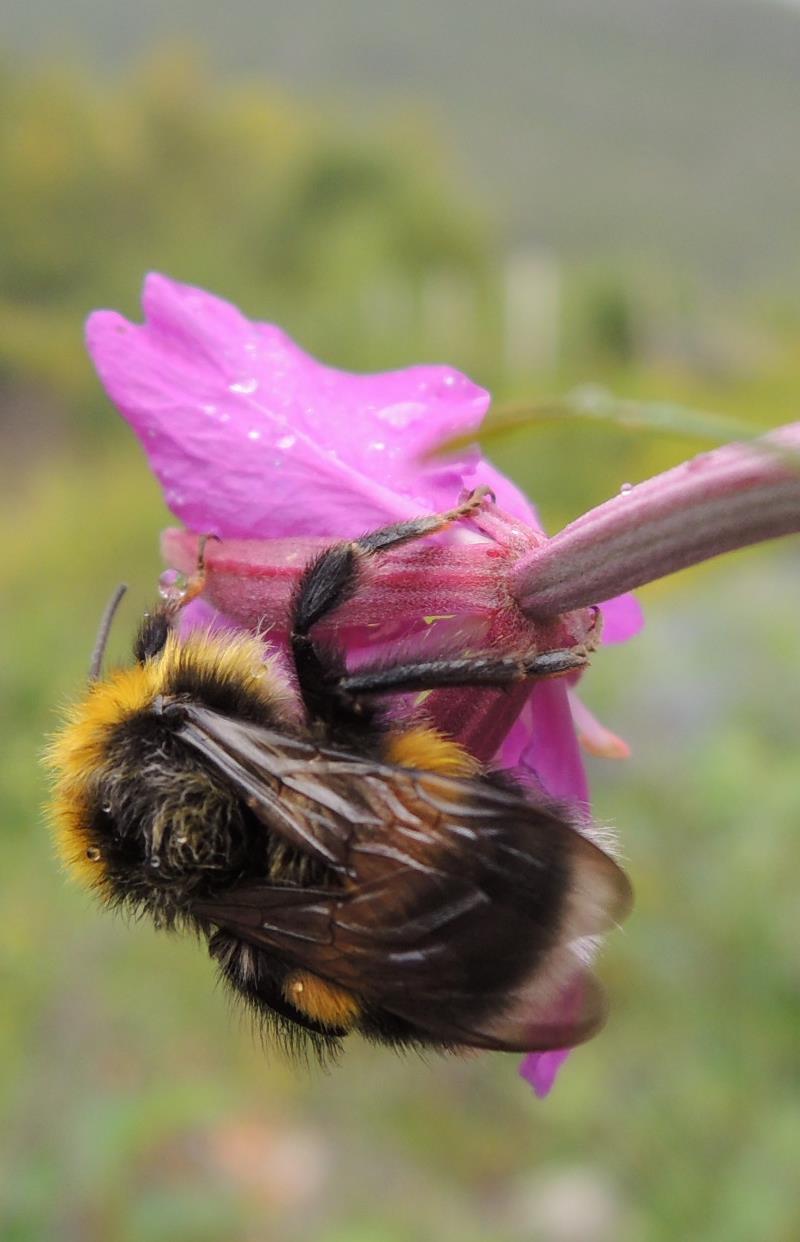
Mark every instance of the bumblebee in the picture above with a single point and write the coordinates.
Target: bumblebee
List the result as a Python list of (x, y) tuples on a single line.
[(349, 872)]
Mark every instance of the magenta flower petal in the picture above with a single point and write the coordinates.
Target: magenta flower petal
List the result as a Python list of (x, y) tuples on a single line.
[(622, 618), (250, 437), (540, 1069), (543, 744)]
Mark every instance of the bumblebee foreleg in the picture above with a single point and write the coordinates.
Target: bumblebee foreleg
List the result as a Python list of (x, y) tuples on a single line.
[(156, 625)]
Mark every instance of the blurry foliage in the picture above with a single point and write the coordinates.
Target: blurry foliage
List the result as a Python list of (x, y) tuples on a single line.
[(358, 238), (229, 187), (607, 321)]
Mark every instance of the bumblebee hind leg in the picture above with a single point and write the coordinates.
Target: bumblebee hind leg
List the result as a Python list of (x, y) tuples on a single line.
[(264, 984), (484, 668)]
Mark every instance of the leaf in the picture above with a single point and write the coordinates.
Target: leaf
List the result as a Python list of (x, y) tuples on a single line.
[(593, 403)]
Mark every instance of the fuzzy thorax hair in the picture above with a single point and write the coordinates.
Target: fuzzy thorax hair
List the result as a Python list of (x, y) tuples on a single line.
[(225, 669)]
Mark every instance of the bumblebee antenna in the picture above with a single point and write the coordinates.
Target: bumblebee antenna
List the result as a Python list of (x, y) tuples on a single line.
[(104, 628)]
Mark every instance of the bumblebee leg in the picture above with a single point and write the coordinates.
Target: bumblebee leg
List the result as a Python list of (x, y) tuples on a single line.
[(481, 669), (403, 532), (196, 584), (157, 624), (332, 579)]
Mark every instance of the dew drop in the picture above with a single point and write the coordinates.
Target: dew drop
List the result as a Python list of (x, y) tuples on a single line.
[(625, 489), (253, 434), (107, 808), (401, 414), (209, 409), (172, 585), (286, 442), (246, 386), (155, 862), (377, 446), (93, 854)]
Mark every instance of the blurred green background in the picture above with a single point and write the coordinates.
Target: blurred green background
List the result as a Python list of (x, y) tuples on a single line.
[(544, 194)]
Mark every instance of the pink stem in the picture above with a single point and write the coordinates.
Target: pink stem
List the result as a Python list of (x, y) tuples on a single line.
[(719, 501)]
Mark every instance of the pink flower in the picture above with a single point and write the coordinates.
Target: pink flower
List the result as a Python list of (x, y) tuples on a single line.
[(278, 454)]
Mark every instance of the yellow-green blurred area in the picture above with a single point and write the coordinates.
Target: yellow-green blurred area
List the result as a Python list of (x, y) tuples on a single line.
[(135, 1106)]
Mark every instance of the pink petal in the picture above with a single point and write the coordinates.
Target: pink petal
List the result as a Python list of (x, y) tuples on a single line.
[(540, 1069), (622, 618), (542, 744), (593, 736), (250, 437)]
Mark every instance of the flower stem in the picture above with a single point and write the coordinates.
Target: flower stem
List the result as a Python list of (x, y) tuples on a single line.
[(716, 502)]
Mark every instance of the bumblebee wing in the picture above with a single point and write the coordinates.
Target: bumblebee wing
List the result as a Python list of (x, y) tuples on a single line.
[(455, 906), (336, 807), (284, 780), (329, 938)]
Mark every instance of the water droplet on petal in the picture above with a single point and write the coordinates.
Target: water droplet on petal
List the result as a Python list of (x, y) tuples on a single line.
[(172, 586), (401, 414), (246, 386), (377, 446), (209, 409), (286, 442), (253, 434), (625, 489)]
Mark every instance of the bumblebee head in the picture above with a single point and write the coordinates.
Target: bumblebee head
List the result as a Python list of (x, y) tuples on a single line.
[(136, 814)]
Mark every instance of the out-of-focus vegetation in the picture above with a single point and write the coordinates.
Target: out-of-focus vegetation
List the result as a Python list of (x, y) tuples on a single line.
[(135, 1107), (234, 188), (362, 241), (659, 132)]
